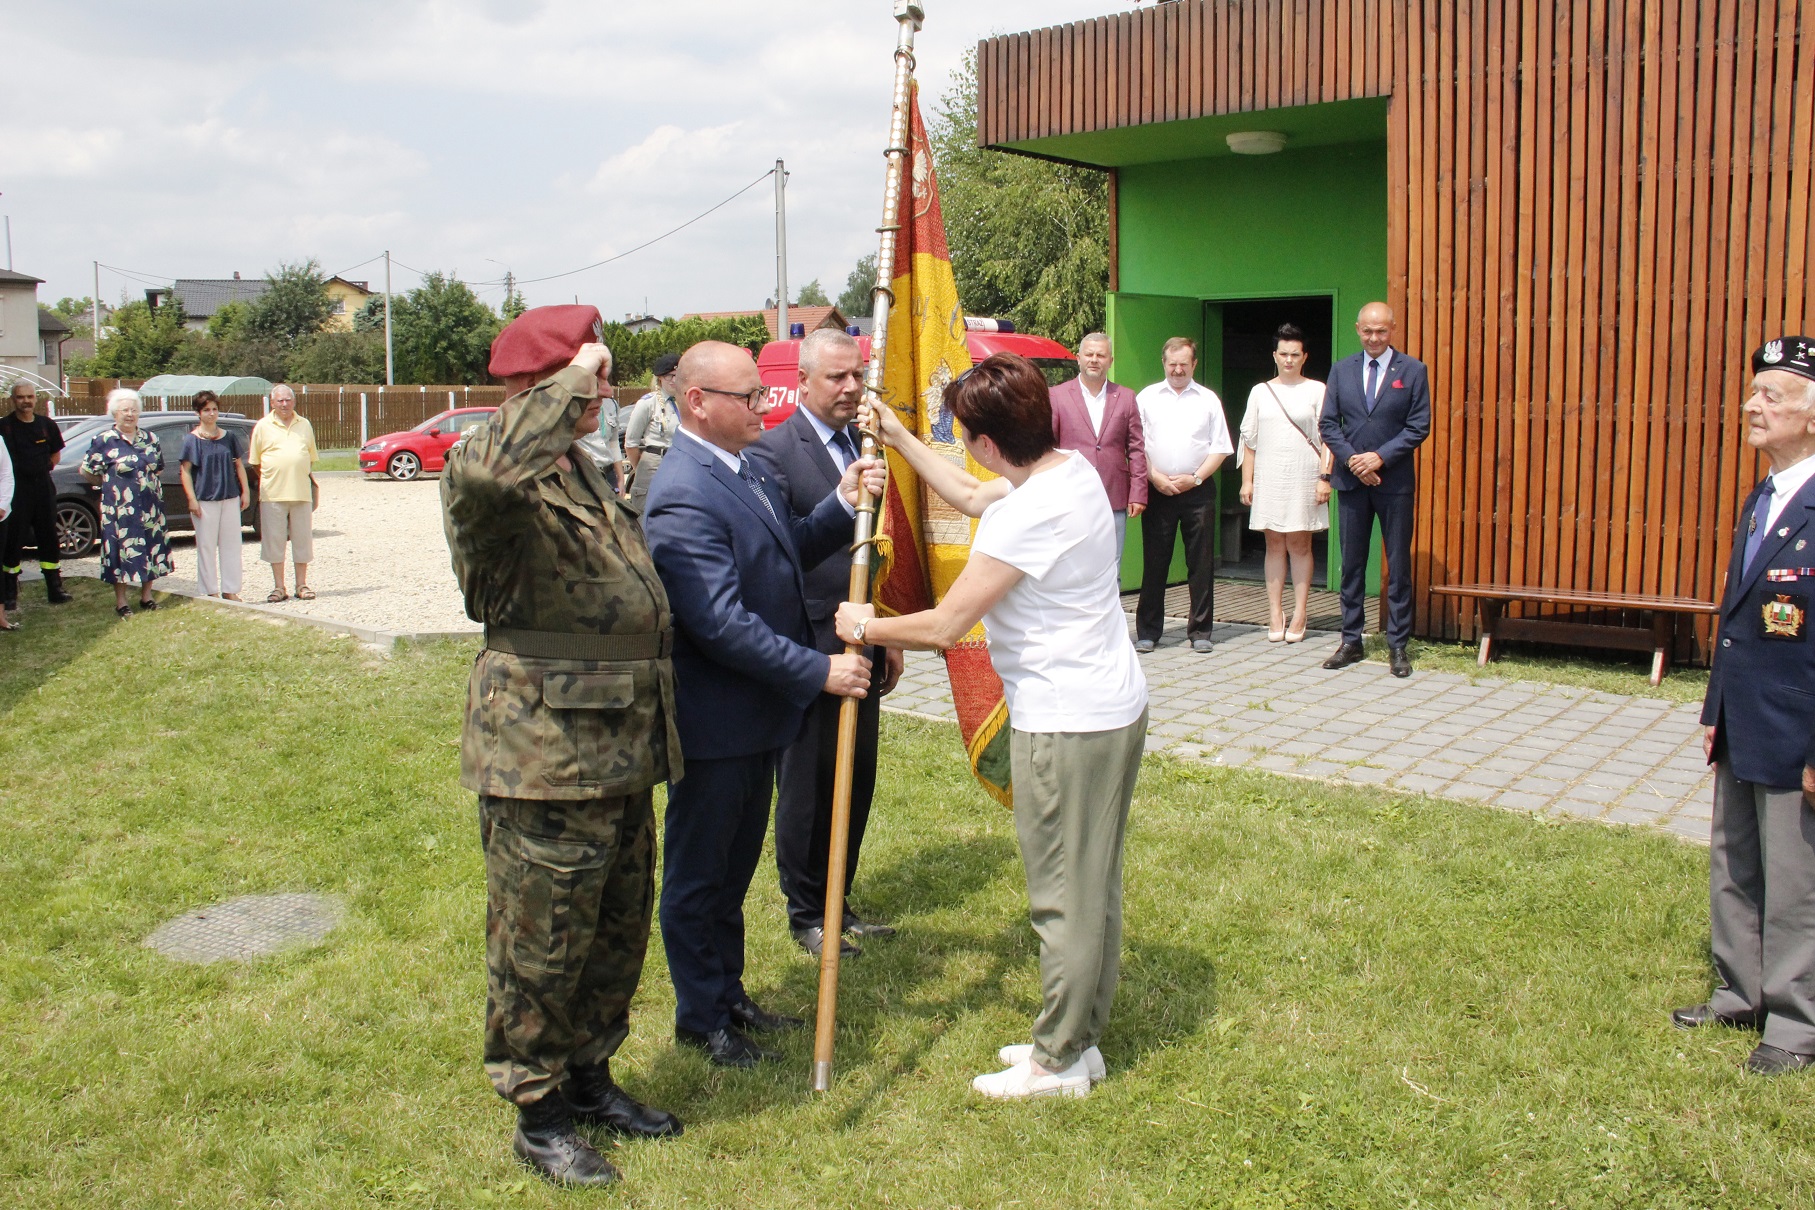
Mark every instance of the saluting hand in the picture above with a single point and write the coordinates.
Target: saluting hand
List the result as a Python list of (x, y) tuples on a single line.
[(849, 676), (872, 473), (595, 359)]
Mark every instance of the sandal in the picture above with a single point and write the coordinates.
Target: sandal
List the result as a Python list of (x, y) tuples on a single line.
[(147, 605), (277, 597), (9, 624), (124, 611), (305, 593)]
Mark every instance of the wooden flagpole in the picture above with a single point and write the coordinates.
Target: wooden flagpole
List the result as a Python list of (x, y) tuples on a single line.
[(908, 14)]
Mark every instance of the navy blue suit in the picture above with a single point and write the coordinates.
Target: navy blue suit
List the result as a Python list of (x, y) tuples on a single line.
[(798, 462), (745, 673), (1761, 700), (1397, 425)]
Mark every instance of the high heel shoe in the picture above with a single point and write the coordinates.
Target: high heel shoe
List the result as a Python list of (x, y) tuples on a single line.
[(1275, 636), (1295, 636)]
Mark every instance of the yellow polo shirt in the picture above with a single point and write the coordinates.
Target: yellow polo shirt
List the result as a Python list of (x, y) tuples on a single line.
[(283, 455)]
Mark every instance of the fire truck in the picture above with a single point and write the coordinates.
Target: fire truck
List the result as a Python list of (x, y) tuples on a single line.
[(779, 361)]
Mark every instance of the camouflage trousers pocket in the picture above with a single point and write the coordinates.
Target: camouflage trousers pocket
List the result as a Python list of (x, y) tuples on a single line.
[(546, 895)]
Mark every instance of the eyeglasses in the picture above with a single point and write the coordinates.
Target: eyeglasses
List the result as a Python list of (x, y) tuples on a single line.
[(752, 399)]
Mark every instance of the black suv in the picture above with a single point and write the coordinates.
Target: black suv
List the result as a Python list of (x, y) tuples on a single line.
[(79, 502)]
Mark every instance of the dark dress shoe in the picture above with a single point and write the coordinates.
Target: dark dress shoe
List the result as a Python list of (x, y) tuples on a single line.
[(1398, 662), (814, 939), (1773, 1061), (596, 1100), (1348, 653), (1698, 1015), (752, 1017), (547, 1141), (724, 1047), (857, 926)]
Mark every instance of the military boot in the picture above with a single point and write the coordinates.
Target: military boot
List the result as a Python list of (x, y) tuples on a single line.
[(9, 590), (53, 587), (547, 1141), (596, 1100)]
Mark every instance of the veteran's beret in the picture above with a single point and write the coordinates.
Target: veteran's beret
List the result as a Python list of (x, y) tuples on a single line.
[(664, 365), (543, 339), (1795, 354)]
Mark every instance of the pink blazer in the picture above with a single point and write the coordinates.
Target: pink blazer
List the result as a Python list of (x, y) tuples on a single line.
[(1119, 452)]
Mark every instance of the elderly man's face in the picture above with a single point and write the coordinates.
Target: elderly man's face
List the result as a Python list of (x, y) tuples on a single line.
[(25, 401), (1779, 413), (1375, 325), (284, 404), (1180, 365)]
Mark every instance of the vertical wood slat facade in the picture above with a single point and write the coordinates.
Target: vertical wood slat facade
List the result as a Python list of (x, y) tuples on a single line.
[(1597, 209)]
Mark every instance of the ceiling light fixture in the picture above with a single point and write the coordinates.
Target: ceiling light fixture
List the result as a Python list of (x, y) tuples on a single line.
[(1257, 142)]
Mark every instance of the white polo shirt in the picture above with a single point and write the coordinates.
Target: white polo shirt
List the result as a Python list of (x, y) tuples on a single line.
[(1182, 428)]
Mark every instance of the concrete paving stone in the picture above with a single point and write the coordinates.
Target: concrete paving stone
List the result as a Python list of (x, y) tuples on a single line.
[(1322, 768), (1475, 744), (1233, 758), (1629, 815), (1276, 763), (1417, 747), (1520, 800), (1541, 785), (1489, 777), (1155, 743), (1504, 764), (1187, 751), (1346, 755), (1572, 760), (1689, 829), (1419, 783), (1624, 768), (1593, 792), (1447, 770), (1578, 807), (1197, 718), (1697, 810), (1368, 775), (1473, 791), (1169, 730), (1300, 747), (1392, 760), (1652, 804)]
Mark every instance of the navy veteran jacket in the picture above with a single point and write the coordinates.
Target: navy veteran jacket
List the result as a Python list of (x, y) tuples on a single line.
[(1761, 693), (1399, 423)]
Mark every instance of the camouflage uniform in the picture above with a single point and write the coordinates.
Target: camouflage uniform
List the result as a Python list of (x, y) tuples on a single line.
[(569, 724), (650, 427)]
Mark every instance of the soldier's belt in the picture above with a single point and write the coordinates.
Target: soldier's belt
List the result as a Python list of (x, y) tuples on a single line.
[(556, 645)]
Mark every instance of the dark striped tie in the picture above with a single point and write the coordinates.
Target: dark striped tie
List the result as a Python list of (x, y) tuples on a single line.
[(748, 476)]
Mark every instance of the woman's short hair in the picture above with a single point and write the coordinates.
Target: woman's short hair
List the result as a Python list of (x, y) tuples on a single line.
[(1005, 399), (203, 398), (120, 396), (1288, 332)]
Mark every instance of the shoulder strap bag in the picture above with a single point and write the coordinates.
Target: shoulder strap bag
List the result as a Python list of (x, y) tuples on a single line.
[(1309, 440)]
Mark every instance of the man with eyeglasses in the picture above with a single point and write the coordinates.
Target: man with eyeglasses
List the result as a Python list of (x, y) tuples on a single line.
[(731, 553)]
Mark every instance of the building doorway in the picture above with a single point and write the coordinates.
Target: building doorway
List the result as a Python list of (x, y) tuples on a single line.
[(1238, 339)]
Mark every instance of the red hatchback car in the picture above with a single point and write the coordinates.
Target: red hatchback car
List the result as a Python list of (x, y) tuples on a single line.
[(405, 455)]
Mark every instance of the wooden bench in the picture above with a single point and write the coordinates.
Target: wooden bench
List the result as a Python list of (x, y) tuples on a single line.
[(1658, 638)]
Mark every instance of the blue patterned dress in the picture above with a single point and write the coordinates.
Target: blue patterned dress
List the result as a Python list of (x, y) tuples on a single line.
[(134, 547)]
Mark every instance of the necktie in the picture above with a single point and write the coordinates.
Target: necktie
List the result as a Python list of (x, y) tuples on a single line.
[(1761, 518), (846, 452), (749, 477), (1373, 383)]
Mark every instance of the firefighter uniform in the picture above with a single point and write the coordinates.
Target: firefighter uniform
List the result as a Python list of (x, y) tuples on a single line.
[(33, 446)]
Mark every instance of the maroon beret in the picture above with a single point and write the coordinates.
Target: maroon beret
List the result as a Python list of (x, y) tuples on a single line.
[(543, 339)]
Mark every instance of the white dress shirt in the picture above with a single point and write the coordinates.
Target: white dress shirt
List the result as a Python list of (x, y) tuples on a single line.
[(1785, 484), (1182, 428), (827, 433), (1095, 405), (736, 463), (1384, 361)]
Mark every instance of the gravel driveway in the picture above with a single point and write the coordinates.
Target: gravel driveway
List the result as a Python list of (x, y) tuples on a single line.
[(381, 560)]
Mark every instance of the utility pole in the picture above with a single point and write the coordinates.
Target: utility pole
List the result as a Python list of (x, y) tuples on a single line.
[(388, 379), (9, 243), (781, 251), (95, 308), (508, 279)]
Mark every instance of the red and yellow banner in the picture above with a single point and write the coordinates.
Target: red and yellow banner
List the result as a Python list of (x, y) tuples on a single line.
[(927, 540)]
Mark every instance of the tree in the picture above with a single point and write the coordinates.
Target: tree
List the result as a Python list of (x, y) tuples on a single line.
[(295, 307), (812, 295), (441, 333), (73, 308), (1029, 238), (633, 353), (143, 343), (858, 287), (337, 356), (370, 317), (513, 306)]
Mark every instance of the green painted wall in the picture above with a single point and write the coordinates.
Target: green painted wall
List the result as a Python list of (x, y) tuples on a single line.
[(1311, 221)]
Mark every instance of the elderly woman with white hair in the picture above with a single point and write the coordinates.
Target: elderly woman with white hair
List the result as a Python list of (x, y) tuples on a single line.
[(128, 465)]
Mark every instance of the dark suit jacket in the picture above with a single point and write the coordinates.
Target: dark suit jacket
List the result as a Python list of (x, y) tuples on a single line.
[(793, 457), (744, 665), (1119, 452), (1761, 691), (1400, 422)]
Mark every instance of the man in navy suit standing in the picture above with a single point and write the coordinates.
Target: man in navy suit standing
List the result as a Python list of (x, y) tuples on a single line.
[(1376, 412), (804, 456), (1760, 716), (730, 554), (1099, 419)]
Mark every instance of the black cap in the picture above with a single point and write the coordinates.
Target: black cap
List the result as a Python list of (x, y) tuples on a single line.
[(1795, 354), (664, 365)]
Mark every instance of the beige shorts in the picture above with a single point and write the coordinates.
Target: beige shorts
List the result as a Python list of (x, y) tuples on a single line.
[(281, 521)]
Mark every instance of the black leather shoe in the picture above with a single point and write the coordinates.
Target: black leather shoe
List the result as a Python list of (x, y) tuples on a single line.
[(1772, 1061), (1348, 653), (752, 1017), (724, 1047), (1698, 1015), (596, 1100), (547, 1141), (1398, 662), (857, 926), (813, 940)]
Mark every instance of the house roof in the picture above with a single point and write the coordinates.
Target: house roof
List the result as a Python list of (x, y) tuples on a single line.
[(49, 322), (9, 278), (813, 317), (203, 296)]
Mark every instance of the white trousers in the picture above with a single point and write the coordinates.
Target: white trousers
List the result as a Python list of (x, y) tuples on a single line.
[(217, 546)]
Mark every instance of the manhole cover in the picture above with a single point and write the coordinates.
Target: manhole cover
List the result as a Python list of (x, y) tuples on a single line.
[(247, 927)]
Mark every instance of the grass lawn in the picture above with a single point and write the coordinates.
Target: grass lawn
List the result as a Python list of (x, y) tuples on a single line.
[(1331, 996), (338, 460), (1607, 672)]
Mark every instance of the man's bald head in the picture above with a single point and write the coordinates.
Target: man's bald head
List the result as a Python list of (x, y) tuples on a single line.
[(1375, 326), (714, 383)]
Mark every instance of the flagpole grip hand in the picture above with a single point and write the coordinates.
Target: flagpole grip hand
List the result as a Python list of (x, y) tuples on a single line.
[(879, 420), (864, 477), (850, 613)]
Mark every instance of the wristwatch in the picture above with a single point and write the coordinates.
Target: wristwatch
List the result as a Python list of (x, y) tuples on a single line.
[(857, 630), (1197, 481), (1325, 478)]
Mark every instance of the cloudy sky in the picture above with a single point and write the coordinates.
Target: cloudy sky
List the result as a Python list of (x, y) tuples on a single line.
[(200, 139)]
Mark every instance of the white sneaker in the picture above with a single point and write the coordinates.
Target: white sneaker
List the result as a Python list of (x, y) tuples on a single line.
[(1093, 1059), (1022, 1080)]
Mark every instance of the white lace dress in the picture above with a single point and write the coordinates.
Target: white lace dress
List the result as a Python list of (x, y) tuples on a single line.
[(1285, 464)]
